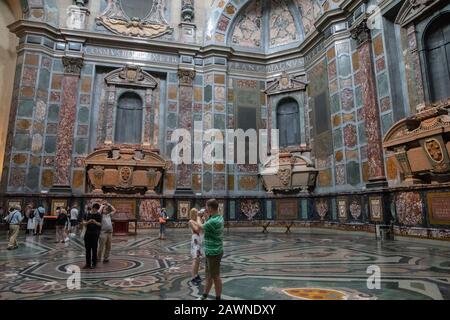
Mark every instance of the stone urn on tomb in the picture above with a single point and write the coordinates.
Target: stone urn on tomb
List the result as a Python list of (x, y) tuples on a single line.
[(288, 172), (124, 170), (421, 145)]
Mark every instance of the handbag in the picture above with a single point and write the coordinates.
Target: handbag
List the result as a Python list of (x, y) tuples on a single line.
[(162, 220)]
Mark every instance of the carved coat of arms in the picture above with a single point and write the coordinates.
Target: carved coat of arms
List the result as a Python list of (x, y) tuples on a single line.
[(135, 18), (434, 150)]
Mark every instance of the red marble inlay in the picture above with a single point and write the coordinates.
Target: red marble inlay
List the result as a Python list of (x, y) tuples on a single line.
[(67, 120), (371, 114)]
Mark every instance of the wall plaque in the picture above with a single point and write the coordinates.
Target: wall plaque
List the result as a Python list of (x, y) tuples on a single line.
[(183, 210), (62, 203), (287, 209), (342, 208), (376, 208), (439, 207), (126, 209)]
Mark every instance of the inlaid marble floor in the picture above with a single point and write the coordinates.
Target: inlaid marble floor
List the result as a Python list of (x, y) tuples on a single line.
[(306, 264)]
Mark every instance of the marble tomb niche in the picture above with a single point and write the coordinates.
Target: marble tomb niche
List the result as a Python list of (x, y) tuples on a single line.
[(126, 158), (291, 169)]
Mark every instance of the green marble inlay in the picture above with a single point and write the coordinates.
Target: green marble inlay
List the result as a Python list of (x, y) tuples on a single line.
[(353, 176), (22, 142), (358, 96), (219, 121), (208, 93), (25, 108), (83, 115), (81, 146), (50, 144), (383, 86), (32, 180), (335, 104), (386, 122), (44, 79), (362, 133), (53, 113), (344, 66), (172, 120), (337, 138)]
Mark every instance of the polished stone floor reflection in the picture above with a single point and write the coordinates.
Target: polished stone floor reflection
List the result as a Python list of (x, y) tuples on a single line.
[(306, 264)]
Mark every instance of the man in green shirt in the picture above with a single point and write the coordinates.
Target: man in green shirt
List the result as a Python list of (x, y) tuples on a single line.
[(213, 230)]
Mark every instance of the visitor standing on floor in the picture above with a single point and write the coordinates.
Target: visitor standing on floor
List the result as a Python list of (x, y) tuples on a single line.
[(29, 214), (61, 223), (213, 240), (106, 231), (74, 220), (39, 219), (14, 218), (162, 223), (93, 223), (197, 252)]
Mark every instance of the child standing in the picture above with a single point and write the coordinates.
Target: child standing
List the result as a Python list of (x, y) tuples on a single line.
[(197, 252)]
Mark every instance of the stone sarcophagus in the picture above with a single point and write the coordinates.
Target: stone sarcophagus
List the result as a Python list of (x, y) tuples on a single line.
[(288, 172), (421, 144), (125, 170)]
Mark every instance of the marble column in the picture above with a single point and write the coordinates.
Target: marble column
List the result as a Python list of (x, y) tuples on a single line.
[(361, 33), (417, 70), (67, 120), (186, 94)]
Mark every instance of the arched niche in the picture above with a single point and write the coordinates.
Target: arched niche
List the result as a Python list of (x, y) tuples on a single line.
[(288, 122), (436, 55), (286, 97), (128, 121), (128, 90)]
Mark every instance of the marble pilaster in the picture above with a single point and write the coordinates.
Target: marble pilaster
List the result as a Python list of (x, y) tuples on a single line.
[(361, 33), (67, 120), (186, 94), (417, 70), (148, 118)]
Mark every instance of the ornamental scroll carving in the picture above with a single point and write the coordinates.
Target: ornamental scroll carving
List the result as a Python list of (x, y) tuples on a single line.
[(72, 65), (124, 17)]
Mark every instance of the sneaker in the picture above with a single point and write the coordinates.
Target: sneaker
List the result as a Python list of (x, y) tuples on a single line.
[(106, 261), (86, 267), (9, 248), (66, 239)]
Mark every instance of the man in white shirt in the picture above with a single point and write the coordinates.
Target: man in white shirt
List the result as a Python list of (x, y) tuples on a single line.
[(74, 220), (104, 248), (14, 219)]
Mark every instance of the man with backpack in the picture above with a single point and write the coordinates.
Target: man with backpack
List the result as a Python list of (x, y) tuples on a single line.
[(14, 218), (39, 214)]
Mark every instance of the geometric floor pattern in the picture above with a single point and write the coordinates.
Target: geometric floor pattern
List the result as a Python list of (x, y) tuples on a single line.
[(306, 264)]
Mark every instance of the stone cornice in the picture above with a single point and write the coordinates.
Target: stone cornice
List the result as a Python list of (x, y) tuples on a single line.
[(329, 18), (413, 10)]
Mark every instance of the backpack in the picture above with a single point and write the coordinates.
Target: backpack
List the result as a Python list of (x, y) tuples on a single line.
[(32, 214), (41, 212)]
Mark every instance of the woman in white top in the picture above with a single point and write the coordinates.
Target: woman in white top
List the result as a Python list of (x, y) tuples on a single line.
[(197, 251)]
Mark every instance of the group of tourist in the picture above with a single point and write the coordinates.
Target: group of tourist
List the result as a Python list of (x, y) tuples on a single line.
[(206, 242)]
